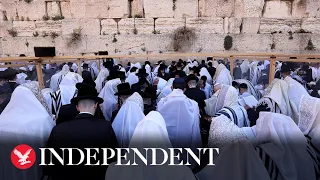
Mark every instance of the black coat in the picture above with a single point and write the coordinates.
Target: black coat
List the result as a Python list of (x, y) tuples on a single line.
[(197, 95), (86, 75), (84, 131)]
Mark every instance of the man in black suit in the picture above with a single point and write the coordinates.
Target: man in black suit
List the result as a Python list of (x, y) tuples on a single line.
[(86, 73), (84, 131), (193, 92)]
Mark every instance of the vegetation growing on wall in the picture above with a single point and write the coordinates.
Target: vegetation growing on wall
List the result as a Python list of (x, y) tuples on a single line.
[(310, 46), (54, 35), (57, 18), (182, 36), (75, 36), (28, 1), (12, 32), (228, 42), (45, 18)]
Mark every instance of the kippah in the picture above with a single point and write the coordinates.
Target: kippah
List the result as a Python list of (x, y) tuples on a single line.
[(178, 80)]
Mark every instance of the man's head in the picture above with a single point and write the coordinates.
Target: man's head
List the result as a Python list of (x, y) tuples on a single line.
[(286, 69), (243, 88), (87, 105), (179, 83), (210, 64), (192, 84)]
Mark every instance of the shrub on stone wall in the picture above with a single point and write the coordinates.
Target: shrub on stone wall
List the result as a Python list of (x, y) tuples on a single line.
[(12, 32), (228, 42), (182, 36), (310, 46), (75, 37), (28, 1)]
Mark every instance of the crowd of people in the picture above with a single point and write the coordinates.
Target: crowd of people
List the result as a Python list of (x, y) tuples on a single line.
[(263, 131)]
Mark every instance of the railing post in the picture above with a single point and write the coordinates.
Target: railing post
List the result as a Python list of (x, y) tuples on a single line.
[(272, 68), (79, 66), (99, 64), (231, 65), (39, 74)]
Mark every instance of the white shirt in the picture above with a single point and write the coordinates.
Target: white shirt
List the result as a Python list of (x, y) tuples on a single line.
[(86, 113)]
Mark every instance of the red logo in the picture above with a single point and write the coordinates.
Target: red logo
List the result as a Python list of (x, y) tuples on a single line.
[(23, 156)]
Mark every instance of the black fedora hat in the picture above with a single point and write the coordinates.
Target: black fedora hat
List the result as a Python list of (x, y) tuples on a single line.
[(85, 65), (286, 67), (8, 74), (192, 77), (124, 89), (149, 92), (86, 91), (142, 73)]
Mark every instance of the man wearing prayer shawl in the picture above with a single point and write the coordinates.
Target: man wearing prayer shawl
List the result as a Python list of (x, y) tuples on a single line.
[(84, 131), (25, 120), (222, 75), (7, 87), (151, 132), (278, 141), (181, 115), (57, 78)]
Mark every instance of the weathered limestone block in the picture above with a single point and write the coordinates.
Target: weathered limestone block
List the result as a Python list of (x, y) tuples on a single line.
[(313, 8), (217, 8), (248, 8), (14, 45), (277, 25), (207, 42), (250, 25), (252, 43), (137, 8), (109, 26), (143, 25), (299, 9), (66, 10), (277, 9), (33, 11), (87, 26), (206, 25), (106, 9), (118, 8), (38, 42), (158, 9), (234, 25), (126, 26), (24, 28), (99, 43), (285, 44), (63, 45), (168, 25), (311, 25), (78, 9), (186, 9), (48, 27), (53, 9)]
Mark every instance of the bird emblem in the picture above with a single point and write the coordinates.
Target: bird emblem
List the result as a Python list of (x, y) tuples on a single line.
[(22, 158)]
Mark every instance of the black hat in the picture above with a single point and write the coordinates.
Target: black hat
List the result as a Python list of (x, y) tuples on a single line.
[(85, 65), (192, 77), (162, 67), (149, 92), (142, 73), (179, 64), (235, 84), (8, 74), (243, 86), (147, 62), (286, 67), (124, 89), (86, 91)]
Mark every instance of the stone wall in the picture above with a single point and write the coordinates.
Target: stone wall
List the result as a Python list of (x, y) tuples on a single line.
[(149, 26)]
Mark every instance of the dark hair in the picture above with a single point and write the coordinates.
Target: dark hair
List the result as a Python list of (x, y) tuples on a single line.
[(179, 85), (129, 64), (235, 84), (204, 78), (203, 62), (133, 69), (210, 64), (243, 86)]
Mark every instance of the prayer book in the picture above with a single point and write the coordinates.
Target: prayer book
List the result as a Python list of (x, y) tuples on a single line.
[(249, 100)]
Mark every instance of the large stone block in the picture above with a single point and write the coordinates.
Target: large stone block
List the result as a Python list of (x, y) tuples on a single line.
[(48, 27), (217, 8), (24, 28), (38, 42), (283, 43), (313, 8), (107, 9), (143, 25), (118, 8), (311, 25), (158, 9), (109, 26), (78, 9), (252, 43), (87, 26), (53, 9), (99, 43), (34, 11), (250, 25), (249, 8), (277, 9), (186, 9), (137, 8), (207, 42), (279, 25), (66, 10), (14, 45), (299, 9), (126, 26), (234, 25), (206, 25), (168, 25)]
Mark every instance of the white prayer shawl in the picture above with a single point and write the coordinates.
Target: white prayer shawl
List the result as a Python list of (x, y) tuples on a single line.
[(251, 89), (68, 87), (21, 78), (57, 78), (95, 68), (222, 75), (110, 100), (132, 78), (137, 65), (205, 72), (74, 67), (244, 67), (166, 90), (148, 69), (161, 84), (101, 79), (282, 140), (47, 96), (25, 120), (151, 132), (181, 115), (254, 73), (239, 161), (207, 90), (278, 93), (129, 115)]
